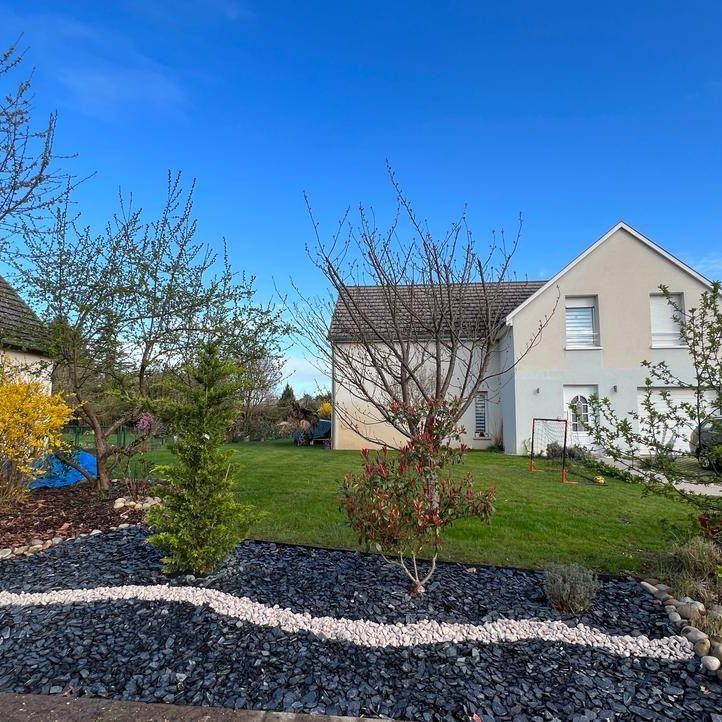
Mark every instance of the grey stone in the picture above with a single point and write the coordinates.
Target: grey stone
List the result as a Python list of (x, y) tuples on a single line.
[(688, 611), (695, 635)]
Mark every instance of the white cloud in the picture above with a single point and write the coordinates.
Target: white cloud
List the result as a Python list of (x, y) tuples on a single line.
[(101, 69), (304, 376)]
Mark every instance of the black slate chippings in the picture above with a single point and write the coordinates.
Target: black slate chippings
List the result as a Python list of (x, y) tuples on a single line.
[(190, 655)]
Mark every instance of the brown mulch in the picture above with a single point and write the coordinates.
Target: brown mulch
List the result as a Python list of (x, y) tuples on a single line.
[(65, 512)]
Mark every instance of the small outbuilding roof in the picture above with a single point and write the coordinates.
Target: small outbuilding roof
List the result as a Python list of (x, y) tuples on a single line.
[(412, 311), (20, 328)]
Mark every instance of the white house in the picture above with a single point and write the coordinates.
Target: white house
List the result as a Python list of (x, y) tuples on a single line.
[(23, 338), (606, 316)]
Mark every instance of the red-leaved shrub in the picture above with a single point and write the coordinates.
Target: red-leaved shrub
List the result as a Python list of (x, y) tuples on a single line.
[(401, 501)]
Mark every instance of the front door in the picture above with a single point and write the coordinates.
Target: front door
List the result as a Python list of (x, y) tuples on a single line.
[(578, 410)]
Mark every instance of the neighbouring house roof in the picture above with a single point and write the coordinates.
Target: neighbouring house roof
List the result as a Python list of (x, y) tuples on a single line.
[(632, 232), (20, 328), (409, 311)]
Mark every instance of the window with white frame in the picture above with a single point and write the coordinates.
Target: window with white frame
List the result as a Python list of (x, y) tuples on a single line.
[(480, 407), (581, 321), (580, 413), (665, 319)]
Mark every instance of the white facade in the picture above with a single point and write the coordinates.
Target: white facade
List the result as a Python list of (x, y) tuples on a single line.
[(605, 319), (31, 366)]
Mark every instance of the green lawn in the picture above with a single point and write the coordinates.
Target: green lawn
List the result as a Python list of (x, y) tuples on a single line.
[(538, 519)]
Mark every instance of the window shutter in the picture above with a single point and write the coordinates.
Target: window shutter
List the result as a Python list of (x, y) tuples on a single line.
[(581, 323), (480, 415), (665, 330)]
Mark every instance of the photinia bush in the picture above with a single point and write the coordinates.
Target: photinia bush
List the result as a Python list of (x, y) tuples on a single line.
[(401, 501)]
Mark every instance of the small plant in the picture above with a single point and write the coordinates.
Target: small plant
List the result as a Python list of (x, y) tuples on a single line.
[(690, 568), (570, 588), (400, 503), (199, 520), (699, 557), (711, 624), (554, 450)]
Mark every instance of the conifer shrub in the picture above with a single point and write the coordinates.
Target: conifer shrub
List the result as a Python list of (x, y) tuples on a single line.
[(200, 521)]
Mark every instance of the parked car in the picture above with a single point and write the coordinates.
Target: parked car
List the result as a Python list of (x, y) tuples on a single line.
[(705, 443)]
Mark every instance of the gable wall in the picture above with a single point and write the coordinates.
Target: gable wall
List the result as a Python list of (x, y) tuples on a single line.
[(622, 272)]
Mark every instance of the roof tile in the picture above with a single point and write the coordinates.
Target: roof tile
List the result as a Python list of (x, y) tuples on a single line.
[(408, 312)]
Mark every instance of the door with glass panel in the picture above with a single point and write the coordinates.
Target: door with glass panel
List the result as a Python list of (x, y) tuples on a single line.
[(578, 410)]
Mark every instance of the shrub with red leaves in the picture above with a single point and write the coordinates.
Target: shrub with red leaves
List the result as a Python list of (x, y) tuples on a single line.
[(400, 502)]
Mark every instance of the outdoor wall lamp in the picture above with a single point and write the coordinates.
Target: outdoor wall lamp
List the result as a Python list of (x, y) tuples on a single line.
[(614, 388)]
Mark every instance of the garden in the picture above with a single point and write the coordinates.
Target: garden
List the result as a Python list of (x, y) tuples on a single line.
[(193, 563), (323, 609)]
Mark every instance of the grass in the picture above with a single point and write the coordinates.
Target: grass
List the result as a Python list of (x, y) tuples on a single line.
[(538, 519)]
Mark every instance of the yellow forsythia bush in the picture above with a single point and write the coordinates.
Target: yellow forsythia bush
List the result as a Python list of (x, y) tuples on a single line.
[(31, 425), (325, 409)]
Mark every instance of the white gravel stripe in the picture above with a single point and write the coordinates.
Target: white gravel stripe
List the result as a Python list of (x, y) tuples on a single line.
[(366, 633)]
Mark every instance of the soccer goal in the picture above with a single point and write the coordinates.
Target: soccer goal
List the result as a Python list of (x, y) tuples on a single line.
[(549, 443)]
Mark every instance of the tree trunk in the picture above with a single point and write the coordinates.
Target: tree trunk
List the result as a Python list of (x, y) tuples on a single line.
[(102, 478)]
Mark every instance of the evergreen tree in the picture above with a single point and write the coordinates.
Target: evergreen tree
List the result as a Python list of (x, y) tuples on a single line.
[(200, 521), (287, 396)]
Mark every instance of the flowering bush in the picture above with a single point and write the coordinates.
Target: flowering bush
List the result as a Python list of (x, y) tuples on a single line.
[(401, 502), (145, 424), (31, 425), (325, 410)]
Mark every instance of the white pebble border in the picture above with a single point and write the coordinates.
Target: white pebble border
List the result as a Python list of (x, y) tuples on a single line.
[(365, 633), (685, 613)]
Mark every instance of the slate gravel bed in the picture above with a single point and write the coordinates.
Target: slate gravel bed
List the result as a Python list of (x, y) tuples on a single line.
[(190, 655), (336, 583)]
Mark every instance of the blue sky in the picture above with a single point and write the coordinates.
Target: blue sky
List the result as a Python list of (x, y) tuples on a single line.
[(575, 114)]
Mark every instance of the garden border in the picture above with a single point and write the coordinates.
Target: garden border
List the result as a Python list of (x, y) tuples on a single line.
[(683, 612), (28, 549)]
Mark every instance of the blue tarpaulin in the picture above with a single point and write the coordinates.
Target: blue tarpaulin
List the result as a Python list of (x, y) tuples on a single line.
[(60, 474)]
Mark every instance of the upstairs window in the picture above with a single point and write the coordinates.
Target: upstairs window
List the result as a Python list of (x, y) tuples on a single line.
[(480, 403), (665, 328), (582, 324)]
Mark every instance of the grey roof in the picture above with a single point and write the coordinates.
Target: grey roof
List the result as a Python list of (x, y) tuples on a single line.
[(20, 328), (413, 311)]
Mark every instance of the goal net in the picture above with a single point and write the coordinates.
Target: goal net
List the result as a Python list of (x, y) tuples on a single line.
[(549, 445)]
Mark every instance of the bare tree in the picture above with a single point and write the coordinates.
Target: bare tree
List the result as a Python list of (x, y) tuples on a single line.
[(413, 322), (30, 179), (260, 378)]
